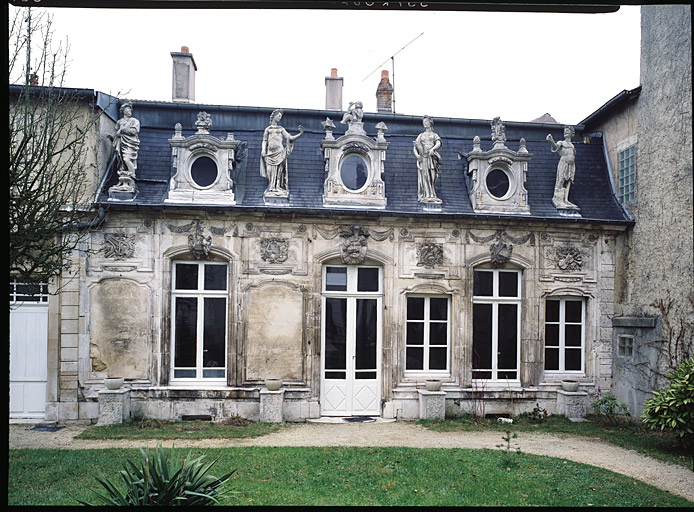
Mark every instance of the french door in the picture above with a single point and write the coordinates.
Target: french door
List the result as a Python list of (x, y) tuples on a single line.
[(351, 341)]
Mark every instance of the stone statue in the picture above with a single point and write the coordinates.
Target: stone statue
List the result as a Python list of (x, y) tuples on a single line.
[(565, 170), (273, 156), (126, 143), (498, 131), (355, 113), (428, 161)]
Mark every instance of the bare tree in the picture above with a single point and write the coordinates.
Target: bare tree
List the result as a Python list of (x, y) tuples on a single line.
[(49, 129)]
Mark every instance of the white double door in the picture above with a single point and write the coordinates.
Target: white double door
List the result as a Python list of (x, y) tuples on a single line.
[(350, 355), (28, 360)]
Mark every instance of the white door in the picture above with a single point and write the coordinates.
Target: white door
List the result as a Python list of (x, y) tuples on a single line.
[(28, 353), (351, 341)]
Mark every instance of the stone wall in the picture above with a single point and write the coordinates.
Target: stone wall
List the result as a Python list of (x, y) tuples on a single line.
[(116, 313), (657, 279)]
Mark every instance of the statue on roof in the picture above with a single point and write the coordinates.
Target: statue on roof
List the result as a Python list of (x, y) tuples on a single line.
[(273, 156), (126, 143), (498, 131), (566, 169), (428, 161), (355, 113)]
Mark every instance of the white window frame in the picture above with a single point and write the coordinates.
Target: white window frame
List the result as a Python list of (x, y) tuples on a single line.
[(562, 335), (37, 298), (427, 321), (200, 293), (626, 174), (495, 300)]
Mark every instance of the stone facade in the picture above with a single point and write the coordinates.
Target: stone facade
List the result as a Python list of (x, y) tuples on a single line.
[(654, 291), (119, 320)]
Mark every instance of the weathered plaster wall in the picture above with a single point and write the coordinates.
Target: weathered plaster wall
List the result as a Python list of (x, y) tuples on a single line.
[(659, 264)]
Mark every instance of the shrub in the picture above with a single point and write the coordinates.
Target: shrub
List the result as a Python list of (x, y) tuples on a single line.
[(163, 479), (538, 414), (609, 408), (673, 408)]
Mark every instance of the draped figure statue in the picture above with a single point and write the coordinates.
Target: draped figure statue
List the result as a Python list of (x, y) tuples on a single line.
[(428, 161), (273, 156)]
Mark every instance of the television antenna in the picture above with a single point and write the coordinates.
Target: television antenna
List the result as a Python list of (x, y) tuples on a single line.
[(392, 59)]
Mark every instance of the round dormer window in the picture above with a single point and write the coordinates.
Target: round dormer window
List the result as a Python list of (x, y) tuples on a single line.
[(354, 172), (204, 171), (498, 183)]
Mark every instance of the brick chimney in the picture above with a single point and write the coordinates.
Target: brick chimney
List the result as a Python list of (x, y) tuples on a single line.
[(384, 93), (333, 91), (184, 68), (33, 79)]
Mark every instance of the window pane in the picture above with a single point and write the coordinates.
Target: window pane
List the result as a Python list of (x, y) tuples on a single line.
[(551, 358), (367, 280), (481, 336), (572, 359), (438, 308), (336, 279), (506, 375), (215, 277), (354, 172), (437, 358), (415, 333), (552, 335), (335, 333), (204, 171), (552, 311), (213, 374), (213, 333), (414, 358), (184, 374), (572, 335), (415, 308), (438, 333), (508, 335), (483, 283), (185, 331), (508, 284), (365, 375), (572, 311), (335, 375), (186, 276), (366, 334)]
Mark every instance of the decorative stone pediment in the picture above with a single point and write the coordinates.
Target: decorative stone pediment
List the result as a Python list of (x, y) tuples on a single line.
[(354, 165), (203, 165), (496, 178)]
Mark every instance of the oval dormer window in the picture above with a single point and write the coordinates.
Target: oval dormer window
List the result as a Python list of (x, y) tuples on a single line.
[(498, 183), (204, 171), (354, 172)]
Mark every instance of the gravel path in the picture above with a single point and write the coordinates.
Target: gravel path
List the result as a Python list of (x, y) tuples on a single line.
[(675, 479)]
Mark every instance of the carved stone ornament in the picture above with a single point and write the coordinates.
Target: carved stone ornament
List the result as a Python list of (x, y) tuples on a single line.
[(118, 245), (203, 123), (274, 250), (498, 131), (569, 259), (426, 148), (566, 169), (429, 254), (126, 143), (354, 244), (199, 244), (500, 254), (328, 126)]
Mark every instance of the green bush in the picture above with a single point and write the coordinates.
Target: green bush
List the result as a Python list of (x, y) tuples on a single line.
[(609, 408), (163, 479), (673, 408)]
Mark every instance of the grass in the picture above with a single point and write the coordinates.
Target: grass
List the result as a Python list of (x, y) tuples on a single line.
[(232, 428), (341, 476), (626, 433)]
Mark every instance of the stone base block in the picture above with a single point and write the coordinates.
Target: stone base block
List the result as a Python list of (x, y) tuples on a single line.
[(114, 406), (121, 195), (432, 404), (573, 405), (271, 406)]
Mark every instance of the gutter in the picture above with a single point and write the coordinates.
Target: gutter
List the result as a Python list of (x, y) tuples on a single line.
[(619, 98)]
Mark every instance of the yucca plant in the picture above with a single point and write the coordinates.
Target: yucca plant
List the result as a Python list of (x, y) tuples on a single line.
[(162, 478)]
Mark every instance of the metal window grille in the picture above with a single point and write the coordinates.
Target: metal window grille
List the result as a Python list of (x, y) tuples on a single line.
[(28, 292)]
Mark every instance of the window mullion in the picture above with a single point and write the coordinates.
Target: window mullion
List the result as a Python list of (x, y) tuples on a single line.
[(562, 335)]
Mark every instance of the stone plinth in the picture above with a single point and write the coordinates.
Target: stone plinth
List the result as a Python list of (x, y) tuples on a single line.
[(573, 405), (271, 406), (432, 404), (114, 406)]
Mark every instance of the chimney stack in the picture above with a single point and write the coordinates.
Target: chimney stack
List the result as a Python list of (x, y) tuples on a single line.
[(33, 79), (184, 68), (333, 91), (384, 93)]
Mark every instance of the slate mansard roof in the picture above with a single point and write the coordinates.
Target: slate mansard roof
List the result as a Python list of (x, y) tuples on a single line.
[(592, 190)]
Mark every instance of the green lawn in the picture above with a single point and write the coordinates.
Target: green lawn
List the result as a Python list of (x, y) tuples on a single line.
[(351, 476)]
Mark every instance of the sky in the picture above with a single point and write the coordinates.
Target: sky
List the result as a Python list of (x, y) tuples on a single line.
[(475, 65)]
